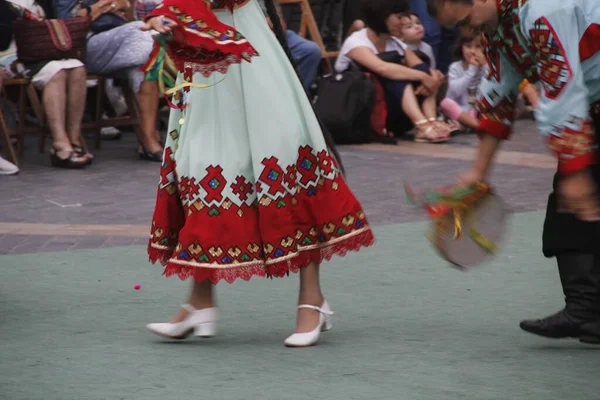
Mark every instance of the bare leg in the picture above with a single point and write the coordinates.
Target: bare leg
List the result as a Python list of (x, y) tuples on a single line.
[(54, 98), (310, 293), (77, 90), (469, 120), (410, 105), (200, 297), (148, 101), (430, 110), (425, 130), (430, 107)]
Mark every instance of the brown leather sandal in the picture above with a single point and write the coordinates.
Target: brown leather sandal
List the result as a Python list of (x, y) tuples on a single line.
[(72, 161), (78, 149)]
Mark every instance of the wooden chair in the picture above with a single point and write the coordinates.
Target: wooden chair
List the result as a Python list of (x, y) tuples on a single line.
[(131, 119), (308, 25), (27, 99)]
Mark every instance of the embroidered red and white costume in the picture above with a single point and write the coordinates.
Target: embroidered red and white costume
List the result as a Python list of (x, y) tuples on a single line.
[(247, 185), (555, 43)]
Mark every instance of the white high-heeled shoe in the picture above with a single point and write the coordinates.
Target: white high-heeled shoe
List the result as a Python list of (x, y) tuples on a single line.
[(202, 323), (312, 337)]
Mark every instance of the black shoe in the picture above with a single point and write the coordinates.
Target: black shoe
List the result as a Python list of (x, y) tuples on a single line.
[(146, 155), (580, 279), (556, 326), (590, 333)]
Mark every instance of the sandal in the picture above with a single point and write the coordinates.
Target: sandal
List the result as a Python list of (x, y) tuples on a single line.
[(78, 149), (72, 161), (144, 154), (427, 133), (442, 128)]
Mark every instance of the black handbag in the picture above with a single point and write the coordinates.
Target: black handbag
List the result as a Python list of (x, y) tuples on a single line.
[(106, 22), (344, 104)]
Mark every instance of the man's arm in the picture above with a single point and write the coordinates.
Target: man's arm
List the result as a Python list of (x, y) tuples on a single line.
[(563, 112), (496, 106)]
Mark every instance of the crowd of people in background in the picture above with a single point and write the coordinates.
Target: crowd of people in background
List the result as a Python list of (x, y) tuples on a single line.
[(430, 85)]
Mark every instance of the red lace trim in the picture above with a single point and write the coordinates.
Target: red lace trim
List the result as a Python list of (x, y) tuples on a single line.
[(280, 269)]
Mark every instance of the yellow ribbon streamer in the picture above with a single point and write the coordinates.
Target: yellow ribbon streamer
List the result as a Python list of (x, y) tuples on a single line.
[(459, 212), (191, 84)]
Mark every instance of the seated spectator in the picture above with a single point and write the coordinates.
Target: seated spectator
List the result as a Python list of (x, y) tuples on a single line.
[(116, 45), (306, 53), (411, 89), (464, 76), (63, 88), (412, 33), (6, 168), (529, 92)]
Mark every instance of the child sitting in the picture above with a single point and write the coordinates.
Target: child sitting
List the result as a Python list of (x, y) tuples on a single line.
[(464, 77), (412, 33)]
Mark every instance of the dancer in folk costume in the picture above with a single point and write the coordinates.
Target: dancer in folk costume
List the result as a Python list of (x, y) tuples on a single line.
[(556, 42), (248, 186)]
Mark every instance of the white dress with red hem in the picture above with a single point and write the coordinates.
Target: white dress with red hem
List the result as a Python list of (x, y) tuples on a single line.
[(248, 186)]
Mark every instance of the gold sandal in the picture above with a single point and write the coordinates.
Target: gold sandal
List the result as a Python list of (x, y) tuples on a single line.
[(442, 128), (427, 132)]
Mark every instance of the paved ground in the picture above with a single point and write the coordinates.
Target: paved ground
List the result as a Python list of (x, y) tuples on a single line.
[(407, 326), (120, 189)]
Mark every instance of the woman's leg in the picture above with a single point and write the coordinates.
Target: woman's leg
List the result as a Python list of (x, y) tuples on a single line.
[(410, 105), (200, 297), (125, 49), (148, 102), (429, 106), (54, 99), (76, 93), (427, 131), (309, 293)]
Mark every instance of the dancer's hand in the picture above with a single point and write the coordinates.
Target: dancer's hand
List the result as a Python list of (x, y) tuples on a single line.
[(578, 194), (156, 23), (470, 177)]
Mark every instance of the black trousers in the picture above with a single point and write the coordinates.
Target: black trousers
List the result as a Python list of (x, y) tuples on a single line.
[(564, 233)]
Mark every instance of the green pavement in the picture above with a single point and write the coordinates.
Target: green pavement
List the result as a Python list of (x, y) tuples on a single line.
[(407, 327)]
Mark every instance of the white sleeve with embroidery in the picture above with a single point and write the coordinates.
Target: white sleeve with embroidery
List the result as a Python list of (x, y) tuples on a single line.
[(563, 113), (497, 94)]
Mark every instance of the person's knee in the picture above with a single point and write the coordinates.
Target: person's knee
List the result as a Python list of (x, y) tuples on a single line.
[(306, 50), (140, 40), (313, 52), (79, 73), (58, 77)]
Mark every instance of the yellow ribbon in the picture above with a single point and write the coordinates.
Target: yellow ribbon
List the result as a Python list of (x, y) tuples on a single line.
[(191, 84), (459, 212)]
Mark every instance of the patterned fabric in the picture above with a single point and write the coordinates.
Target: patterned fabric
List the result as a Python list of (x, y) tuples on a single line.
[(247, 186), (557, 43), (121, 50), (201, 42)]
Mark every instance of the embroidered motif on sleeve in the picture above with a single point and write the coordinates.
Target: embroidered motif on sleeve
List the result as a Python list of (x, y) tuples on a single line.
[(554, 69), (501, 111), (574, 140)]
